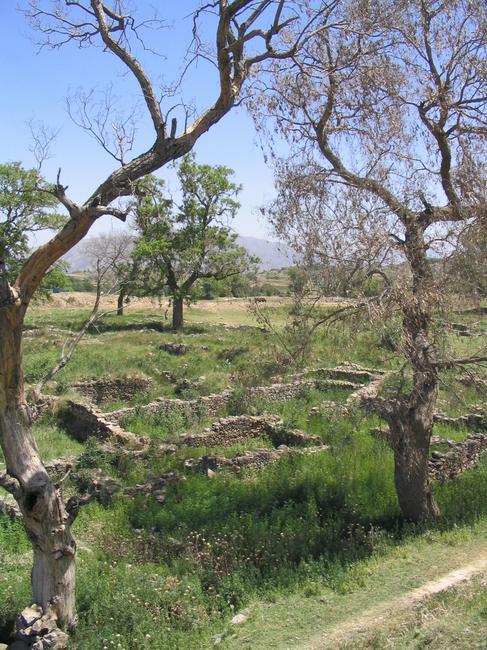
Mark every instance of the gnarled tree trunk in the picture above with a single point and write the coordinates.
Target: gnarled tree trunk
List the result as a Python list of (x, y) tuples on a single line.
[(45, 517), (410, 431), (411, 418)]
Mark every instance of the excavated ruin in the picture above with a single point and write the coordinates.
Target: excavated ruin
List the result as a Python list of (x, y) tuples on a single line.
[(119, 388)]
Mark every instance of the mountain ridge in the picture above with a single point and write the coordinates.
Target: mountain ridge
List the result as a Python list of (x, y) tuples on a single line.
[(272, 255)]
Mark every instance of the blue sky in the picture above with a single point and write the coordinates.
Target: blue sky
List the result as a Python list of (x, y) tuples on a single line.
[(35, 85)]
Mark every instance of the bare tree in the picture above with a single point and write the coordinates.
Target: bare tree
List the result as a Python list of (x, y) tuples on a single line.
[(391, 103), (120, 271), (110, 255), (244, 31)]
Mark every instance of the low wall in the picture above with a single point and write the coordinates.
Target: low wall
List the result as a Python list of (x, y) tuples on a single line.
[(257, 459), (460, 457), (231, 430), (240, 428), (83, 421), (209, 405), (104, 390), (474, 421), (214, 404)]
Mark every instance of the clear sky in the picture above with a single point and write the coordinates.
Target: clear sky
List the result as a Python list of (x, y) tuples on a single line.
[(36, 83)]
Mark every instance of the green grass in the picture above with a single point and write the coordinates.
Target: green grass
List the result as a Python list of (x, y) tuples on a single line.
[(304, 616), (455, 619), (307, 543), (53, 441)]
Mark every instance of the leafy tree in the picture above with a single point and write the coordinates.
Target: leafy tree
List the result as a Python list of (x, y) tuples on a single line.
[(243, 34), (179, 245), (26, 207)]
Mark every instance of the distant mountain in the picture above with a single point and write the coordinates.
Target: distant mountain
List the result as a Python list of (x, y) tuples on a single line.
[(273, 255), (77, 258)]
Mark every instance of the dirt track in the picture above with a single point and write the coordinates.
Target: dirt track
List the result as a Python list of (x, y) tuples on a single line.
[(394, 610)]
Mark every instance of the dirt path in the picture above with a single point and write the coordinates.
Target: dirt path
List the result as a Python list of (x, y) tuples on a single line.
[(394, 610)]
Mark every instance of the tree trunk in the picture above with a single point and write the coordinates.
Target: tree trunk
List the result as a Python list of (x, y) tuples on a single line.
[(121, 298), (46, 519), (411, 418), (177, 314), (410, 438)]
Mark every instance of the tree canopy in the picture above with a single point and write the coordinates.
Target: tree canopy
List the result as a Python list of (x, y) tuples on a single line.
[(180, 243), (26, 207)]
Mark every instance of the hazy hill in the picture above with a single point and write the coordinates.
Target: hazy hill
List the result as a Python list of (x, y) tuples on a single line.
[(273, 255)]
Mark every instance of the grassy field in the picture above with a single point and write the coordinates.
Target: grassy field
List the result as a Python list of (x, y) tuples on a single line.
[(306, 544)]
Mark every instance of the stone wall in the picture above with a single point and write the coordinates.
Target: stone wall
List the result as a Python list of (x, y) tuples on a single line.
[(460, 457), (250, 459), (257, 459), (104, 390), (216, 403), (278, 392), (346, 372), (231, 430), (83, 421), (163, 406), (473, 421), (240, 428)]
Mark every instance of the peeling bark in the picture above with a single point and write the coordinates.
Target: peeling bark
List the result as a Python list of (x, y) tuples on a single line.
[(45, 517)]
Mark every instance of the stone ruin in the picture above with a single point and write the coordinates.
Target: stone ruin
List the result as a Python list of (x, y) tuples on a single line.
[(459, 457), (240, 428), (83, 421), (350, 372), (163, 406), (463, 455), (106, 390), (97, 487), (36, 629), (215, 403), (472, 421), (256, 459)]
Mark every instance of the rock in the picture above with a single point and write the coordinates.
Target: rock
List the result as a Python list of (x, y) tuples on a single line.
[(44, 625), (29, 615), (18, 645), (174, 348), (217, 639), (240, 618), (3, 646), (55, 640)]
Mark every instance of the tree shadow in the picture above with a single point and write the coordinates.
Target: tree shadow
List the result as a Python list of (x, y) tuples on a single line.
[(152, 325)]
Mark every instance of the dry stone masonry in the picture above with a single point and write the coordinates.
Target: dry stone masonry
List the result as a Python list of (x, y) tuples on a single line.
[(257, 459), (36, 629), (105, 390), (460, 457), (239, 428), (216, 403), (84, 421), (472, 421)]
